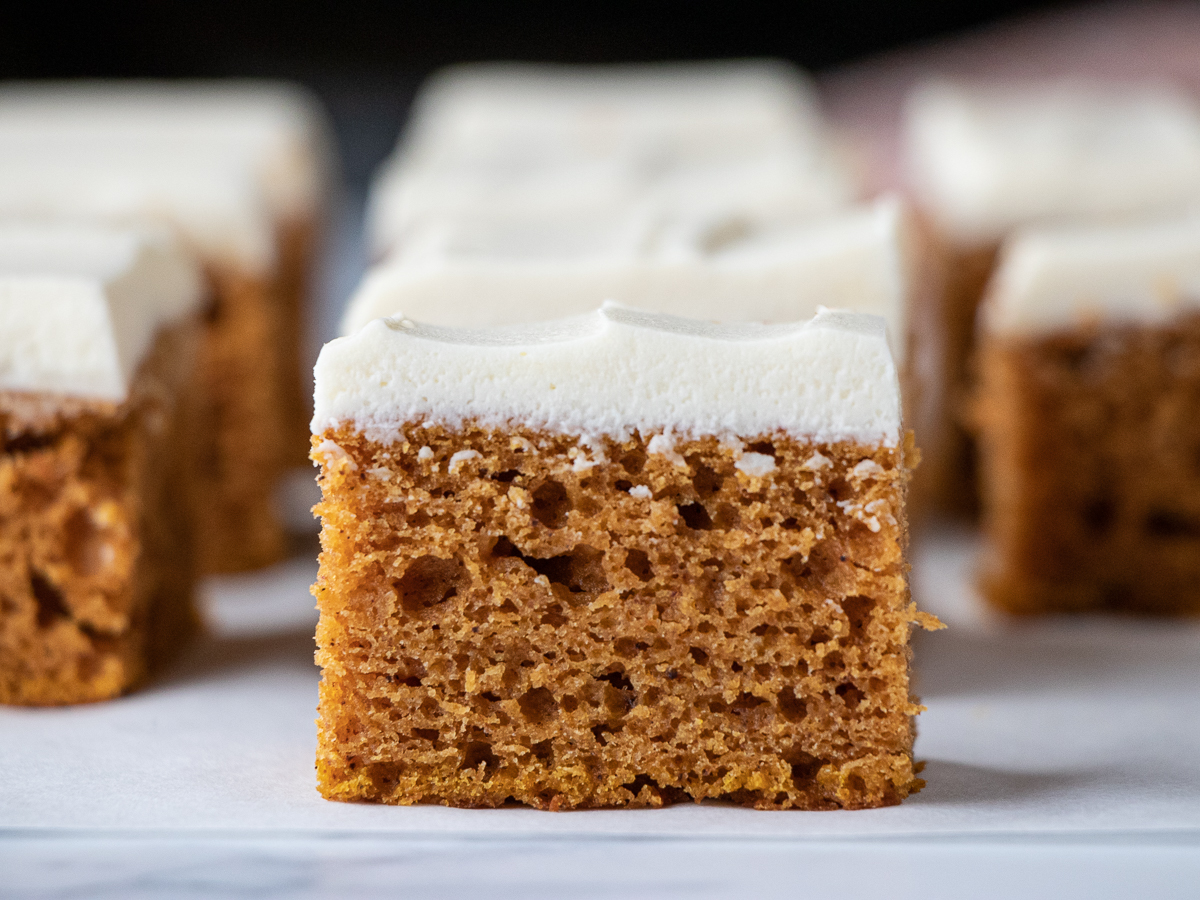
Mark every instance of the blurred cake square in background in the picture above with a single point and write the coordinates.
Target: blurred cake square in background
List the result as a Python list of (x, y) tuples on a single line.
[(101, 330), (1126, 47), (241, 171), (987, 159), (1089, 407), (507, 271), (725, 137)]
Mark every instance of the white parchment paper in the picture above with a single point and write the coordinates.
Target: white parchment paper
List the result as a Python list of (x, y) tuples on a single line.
[(1083, 726)]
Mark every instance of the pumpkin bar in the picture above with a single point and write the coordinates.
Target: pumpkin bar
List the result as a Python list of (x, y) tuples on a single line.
[(986, 160), (619, 560), (239, 169), (540, 141), (1089, 410), (97, 356)]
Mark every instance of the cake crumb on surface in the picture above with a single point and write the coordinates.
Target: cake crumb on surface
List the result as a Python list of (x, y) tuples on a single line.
[(755, 464)]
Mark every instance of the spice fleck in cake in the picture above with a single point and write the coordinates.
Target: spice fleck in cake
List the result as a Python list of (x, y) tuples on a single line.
[(1090, 420), (618, 560), (96, 356)]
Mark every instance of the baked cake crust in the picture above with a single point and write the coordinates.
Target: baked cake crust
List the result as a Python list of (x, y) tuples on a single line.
[(507, 614), (96, 567)]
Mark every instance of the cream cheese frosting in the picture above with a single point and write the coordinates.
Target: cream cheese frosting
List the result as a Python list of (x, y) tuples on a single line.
[(986, 160), (216, 208), (274, 128), (481, 272), (1052, 279), (778, 181), (616, 370), (541, 141), (80, 305), (490, 108)]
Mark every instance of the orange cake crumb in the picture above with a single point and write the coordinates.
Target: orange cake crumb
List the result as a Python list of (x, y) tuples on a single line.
[(1089, 440), (508, 616), (96, 569)]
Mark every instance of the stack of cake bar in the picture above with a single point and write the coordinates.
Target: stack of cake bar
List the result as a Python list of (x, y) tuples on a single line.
[(1068, 210), (616, 445), (558, 142), (578, 552), (101, 331), (238, 171), (986, 161), (713, 190), (155, 242)]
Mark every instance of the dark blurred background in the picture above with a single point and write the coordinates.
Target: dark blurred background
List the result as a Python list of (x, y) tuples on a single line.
[(365, 58)]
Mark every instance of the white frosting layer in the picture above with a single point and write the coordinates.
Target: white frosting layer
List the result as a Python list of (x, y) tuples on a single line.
[(778, 182), (984, 161), (479, 272), (276, 129), (1052, 279), (545, 141), (80, 305), (490, 109), (217, 210), (616, 370)]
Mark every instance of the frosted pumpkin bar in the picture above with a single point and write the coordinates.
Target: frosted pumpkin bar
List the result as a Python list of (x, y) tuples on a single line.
[(1089, 408), (617, 560), (97, 346), (239, 171), (505, 270), (987, 160), (551, 141)]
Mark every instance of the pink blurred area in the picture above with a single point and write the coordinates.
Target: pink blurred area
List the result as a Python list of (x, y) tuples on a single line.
[(1119, 41)]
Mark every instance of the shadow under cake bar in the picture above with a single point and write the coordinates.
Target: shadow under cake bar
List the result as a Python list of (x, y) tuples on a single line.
[(1089, 408), (986, 160), (98, 334), (617, 560), (540, 141), (240, 169)]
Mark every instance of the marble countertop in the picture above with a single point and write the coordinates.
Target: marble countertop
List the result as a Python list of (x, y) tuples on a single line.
[(100, 867)]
